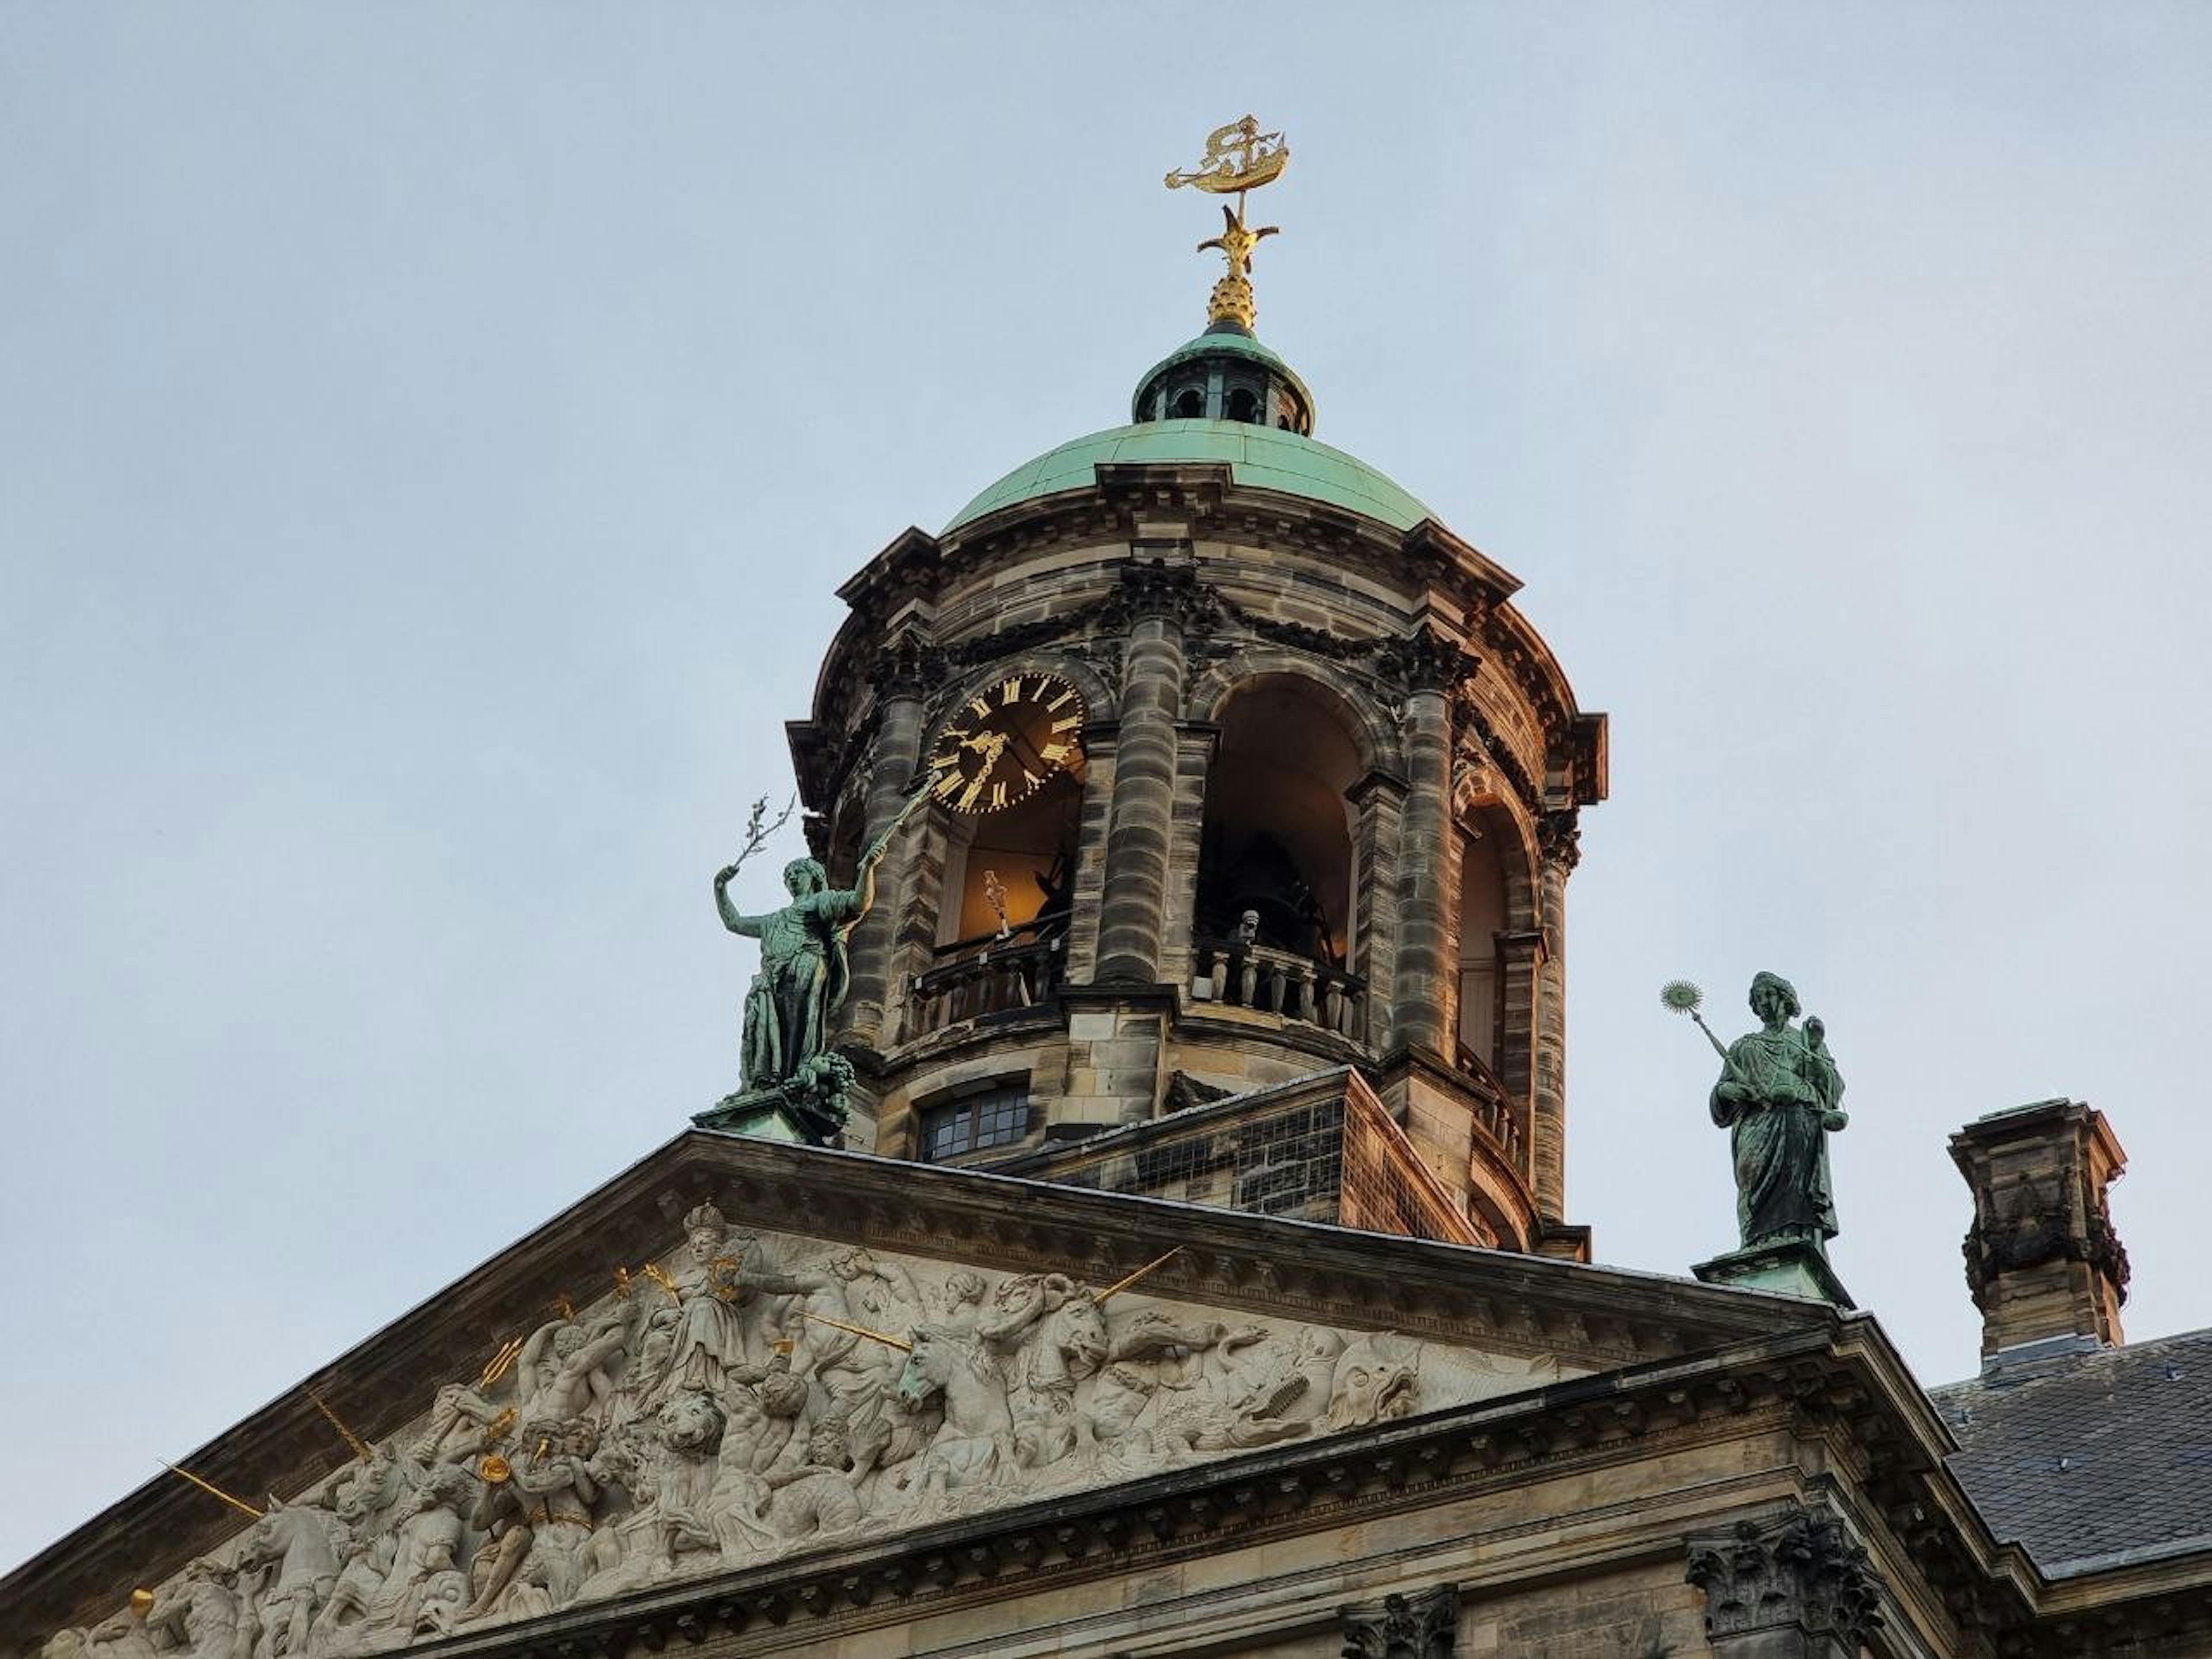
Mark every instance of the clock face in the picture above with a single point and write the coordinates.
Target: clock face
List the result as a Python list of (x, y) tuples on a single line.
[(1000, 746)]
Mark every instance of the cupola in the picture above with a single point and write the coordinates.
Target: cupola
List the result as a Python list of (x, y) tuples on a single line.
[(1225, 374)]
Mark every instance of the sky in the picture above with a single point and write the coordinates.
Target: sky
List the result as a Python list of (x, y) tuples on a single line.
[(431, 437)]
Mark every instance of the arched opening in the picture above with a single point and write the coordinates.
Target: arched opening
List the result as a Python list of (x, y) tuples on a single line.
[(1244, 405), (1189, 403), (1012, 871), (1481, 967), (1275, 854), (1003, 908)]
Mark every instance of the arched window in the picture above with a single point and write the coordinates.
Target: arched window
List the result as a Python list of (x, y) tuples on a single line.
[(1278, 836), (1244, 405), (1189, 403), (1481, 920)]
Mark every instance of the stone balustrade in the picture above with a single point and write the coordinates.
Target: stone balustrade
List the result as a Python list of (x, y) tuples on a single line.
[(1494, 1107), (1258, 977), (988, 979)]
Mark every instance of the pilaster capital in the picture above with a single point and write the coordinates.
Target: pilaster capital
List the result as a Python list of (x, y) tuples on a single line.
[(1426, 660), (1382, 783), (1422, 1626), (1559, 837), (1799, 1571), (1153, 587), (909, 666)]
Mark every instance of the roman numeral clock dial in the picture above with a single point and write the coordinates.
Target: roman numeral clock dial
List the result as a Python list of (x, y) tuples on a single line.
[(1005, 742)]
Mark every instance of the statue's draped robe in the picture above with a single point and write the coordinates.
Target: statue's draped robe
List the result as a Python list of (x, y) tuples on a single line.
[(801, 982), (1780, 1145)]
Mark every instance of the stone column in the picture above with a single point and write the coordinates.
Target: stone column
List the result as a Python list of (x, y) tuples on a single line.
[(908, 667), (1380, 799), (1197, 742), (1521, 965), (1132, 915), (1101, 739), (1558, 845), (1795, 1587), (1422, 1626), (1427, 975)]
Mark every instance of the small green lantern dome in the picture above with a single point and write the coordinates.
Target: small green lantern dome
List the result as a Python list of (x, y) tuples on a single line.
[(1223, 397), (1225, 374)]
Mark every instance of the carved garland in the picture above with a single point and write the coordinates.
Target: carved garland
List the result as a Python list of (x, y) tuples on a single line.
[(2034, 1229)]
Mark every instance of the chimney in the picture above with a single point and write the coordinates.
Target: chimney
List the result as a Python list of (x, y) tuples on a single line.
[(2042, 1261)]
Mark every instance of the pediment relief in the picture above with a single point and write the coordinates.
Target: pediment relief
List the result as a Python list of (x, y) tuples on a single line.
[(1468, 1324), (744, 1396)]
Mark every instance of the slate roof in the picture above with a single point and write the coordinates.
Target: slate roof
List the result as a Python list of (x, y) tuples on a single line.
[(2092, 1460)]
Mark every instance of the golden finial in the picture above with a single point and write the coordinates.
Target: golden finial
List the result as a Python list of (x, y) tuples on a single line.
[(142, 1601), (1238, 158)]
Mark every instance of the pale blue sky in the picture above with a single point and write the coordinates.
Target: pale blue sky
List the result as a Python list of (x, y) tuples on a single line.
[(430, 436)]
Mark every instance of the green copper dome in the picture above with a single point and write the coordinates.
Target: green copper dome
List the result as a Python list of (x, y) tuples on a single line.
[(1262, 458)]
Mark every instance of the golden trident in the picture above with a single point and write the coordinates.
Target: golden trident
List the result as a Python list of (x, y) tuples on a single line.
[(1239, 158)]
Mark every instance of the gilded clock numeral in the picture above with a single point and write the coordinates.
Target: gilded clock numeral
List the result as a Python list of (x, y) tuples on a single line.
[(1053, 707), (980, 708), (1011, 692), (1053, 753), (1067, 723), (997, 794), (1030, 780), (971, 795), (949, 784)]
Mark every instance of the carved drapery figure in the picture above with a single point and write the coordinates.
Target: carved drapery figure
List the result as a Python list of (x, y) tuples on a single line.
[(803, 972), (1778, 1098)]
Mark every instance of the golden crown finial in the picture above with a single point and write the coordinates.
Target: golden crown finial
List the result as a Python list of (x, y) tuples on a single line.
[(1238, 158)]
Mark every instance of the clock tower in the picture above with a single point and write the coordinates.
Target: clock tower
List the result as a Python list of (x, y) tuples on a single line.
[(1251, 803)]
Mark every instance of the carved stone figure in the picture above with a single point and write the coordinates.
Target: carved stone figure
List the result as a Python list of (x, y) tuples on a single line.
[(542, 1516), (709, 1337), (203, 1615), (425, 1556), (1778, 1098), (975, 1446), (563, 1367), (304, 1542)]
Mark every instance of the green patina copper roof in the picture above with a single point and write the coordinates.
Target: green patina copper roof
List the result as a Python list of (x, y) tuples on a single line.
[(1262, 458)]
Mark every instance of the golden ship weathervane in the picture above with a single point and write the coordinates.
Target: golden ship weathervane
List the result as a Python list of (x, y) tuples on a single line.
[(1239, 158)]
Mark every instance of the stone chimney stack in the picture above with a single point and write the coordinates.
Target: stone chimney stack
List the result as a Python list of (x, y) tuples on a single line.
[(2042, 1261)]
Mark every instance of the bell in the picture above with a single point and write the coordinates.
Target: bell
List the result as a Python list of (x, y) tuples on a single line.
[(495, 1470)]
